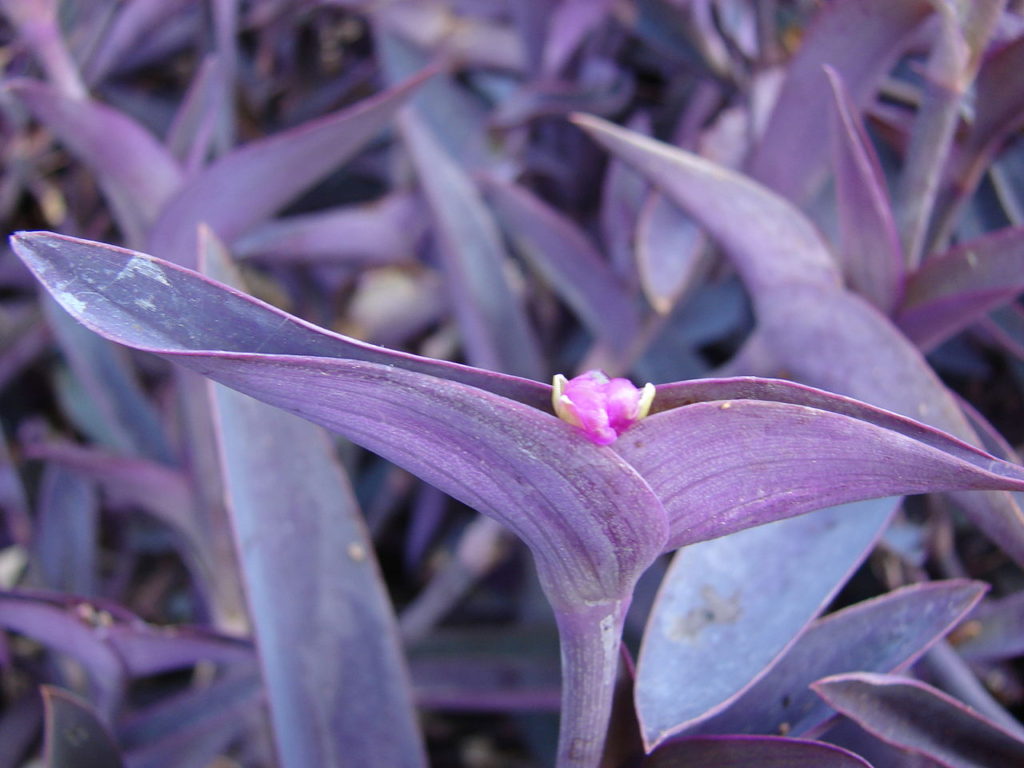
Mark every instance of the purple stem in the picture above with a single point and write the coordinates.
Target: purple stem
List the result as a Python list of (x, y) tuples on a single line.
[(590, 636)]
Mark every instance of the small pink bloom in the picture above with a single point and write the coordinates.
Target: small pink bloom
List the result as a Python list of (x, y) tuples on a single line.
[(600, 407)]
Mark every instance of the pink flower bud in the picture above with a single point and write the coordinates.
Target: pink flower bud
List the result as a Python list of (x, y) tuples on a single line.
[(600, 407)]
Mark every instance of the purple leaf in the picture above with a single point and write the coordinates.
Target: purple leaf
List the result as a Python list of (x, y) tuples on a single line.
[(749, 751), (622, 192), (954, 289), (860, 40), (246, 186), (131, 482), (590, 519), (878, 635), (752, 477), (190, 136), (999, 112), (381, 232), (565, 257), (789, 250), (72, 627), (960, 38), (67, 532), (39, 28), (75, 736), (801, 306), (870, 247), (569, 24), (495, 329), (234, 322), (994, 631), (751, 592), (275, 464), (115, 401), (148, 650), (454, 116), (136, 173), (132, 23), (912, 715), (191, 729), (669, 252)]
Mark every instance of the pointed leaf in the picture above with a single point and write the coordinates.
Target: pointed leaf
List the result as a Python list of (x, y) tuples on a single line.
[(751, 463), (495, 330), (669, 251), (566, 258), (518, 464), (275, 464), (729, 607), (954, 289), (381, 232), (67, 532), (246, 186), (66, 626), (748, 751), (225, 319), (75, 736), (788, 248), (859, 39), (137, 174), (879, 635), (870, 245), (910, 714)]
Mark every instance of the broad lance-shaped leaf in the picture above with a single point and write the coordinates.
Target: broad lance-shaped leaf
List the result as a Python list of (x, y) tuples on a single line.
[(910, 714), (312, 585), (590, 519), (858, 351), (246, 186)]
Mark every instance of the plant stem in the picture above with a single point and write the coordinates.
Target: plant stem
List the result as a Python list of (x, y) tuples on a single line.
[(590, 638)]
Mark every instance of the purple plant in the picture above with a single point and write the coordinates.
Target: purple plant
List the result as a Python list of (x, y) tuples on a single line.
[(803, 221)]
